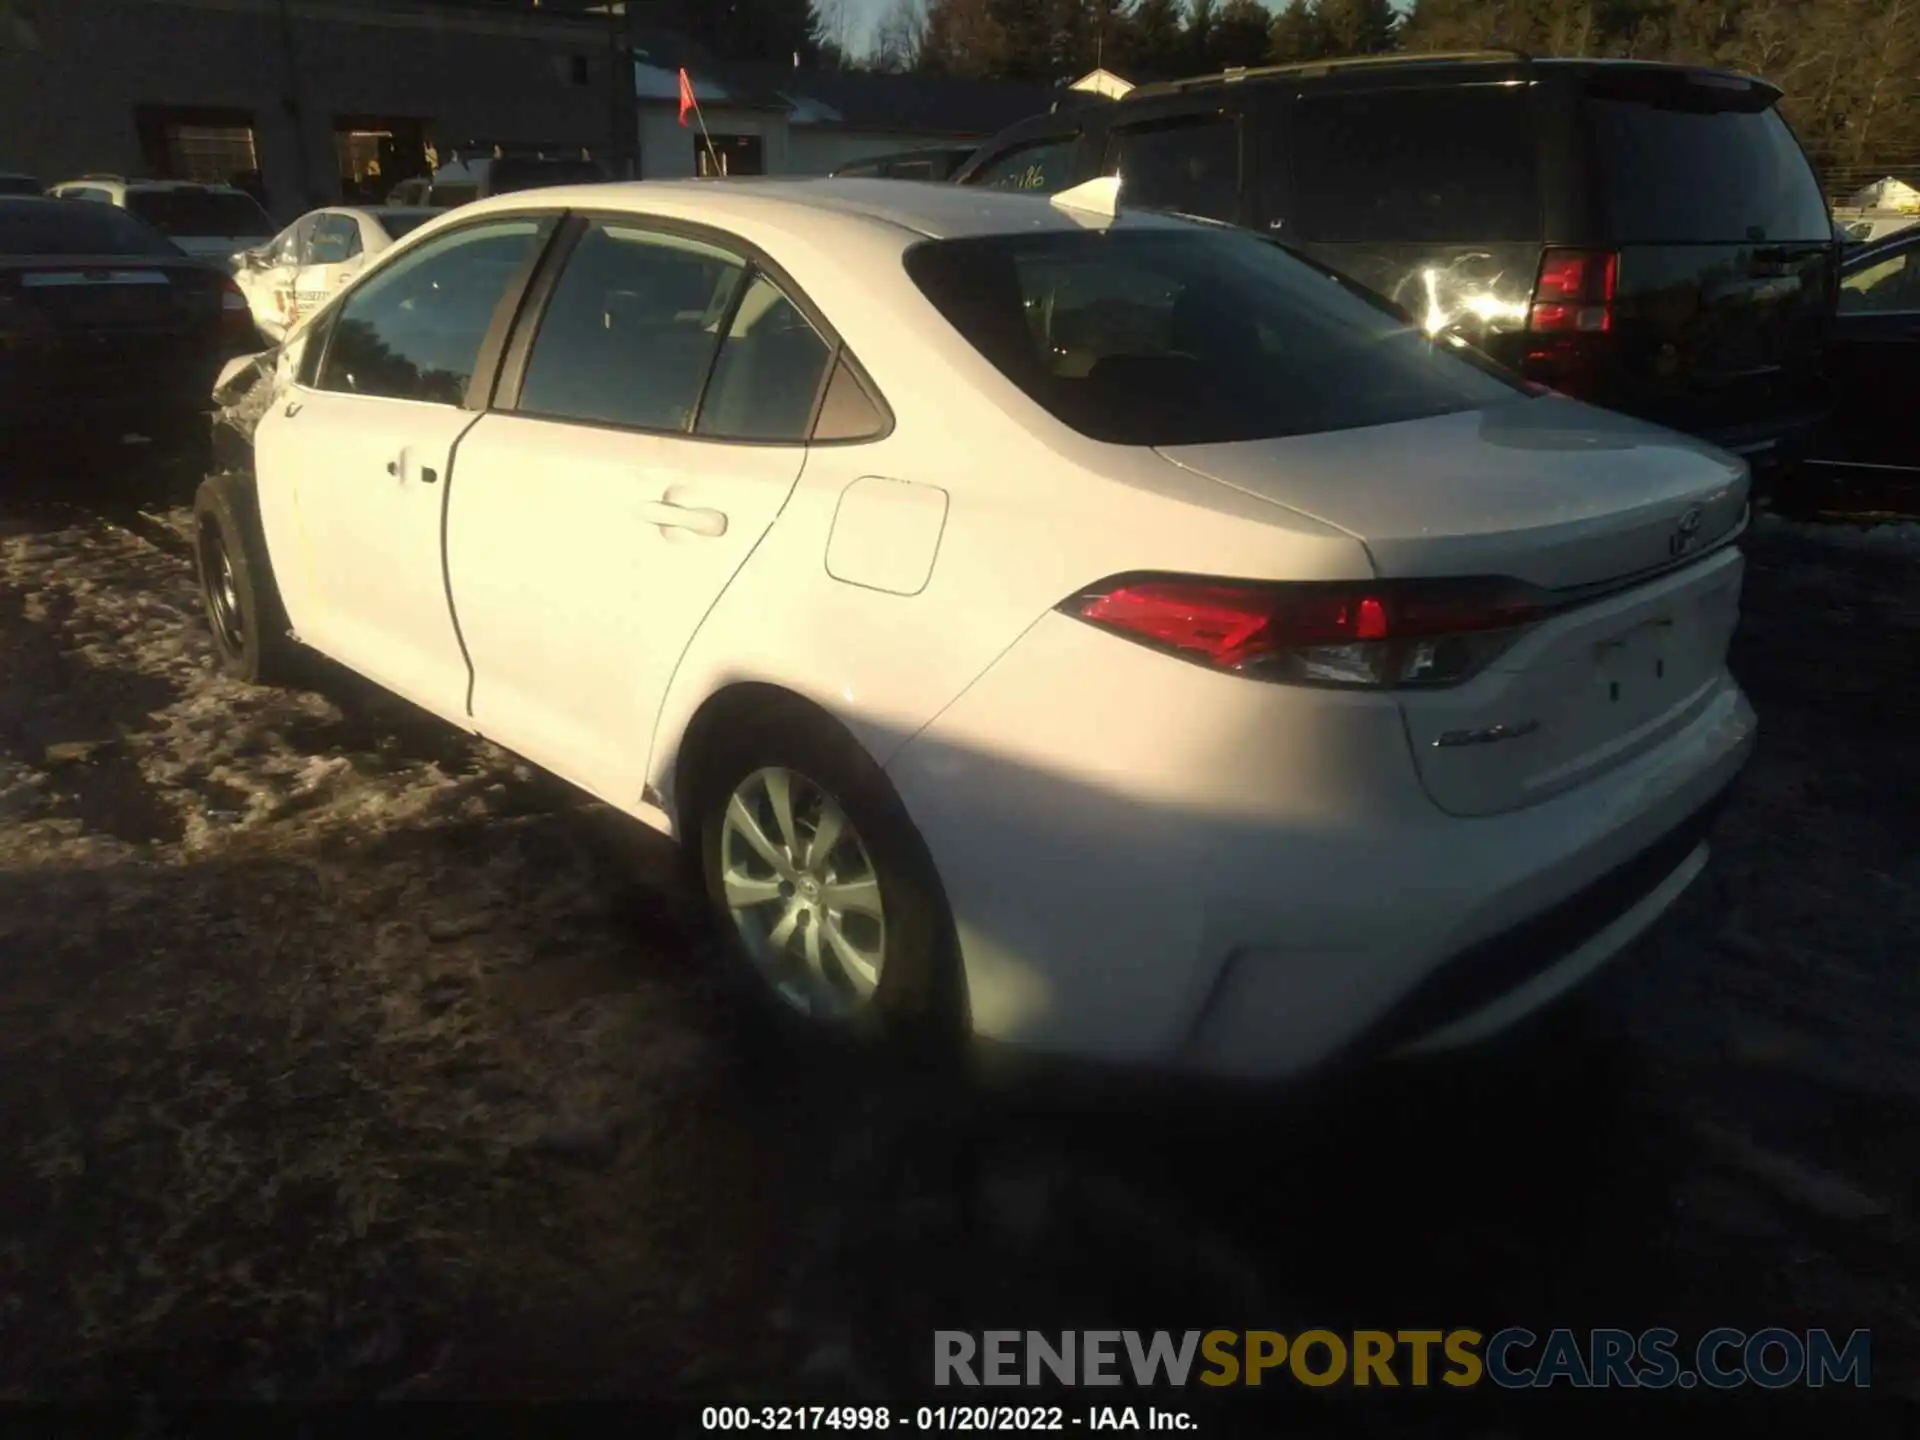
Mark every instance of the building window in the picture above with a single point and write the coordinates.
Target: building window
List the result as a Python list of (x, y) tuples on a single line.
[(728, 155), (377, 152), (214, 147)]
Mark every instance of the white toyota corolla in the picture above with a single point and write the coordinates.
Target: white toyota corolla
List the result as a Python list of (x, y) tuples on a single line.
[(1111, 636)]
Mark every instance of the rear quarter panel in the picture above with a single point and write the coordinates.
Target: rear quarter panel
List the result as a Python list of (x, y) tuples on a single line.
[(1034, 513)]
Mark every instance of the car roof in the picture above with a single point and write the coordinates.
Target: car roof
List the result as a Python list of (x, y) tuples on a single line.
[(935, 210), (210, 185), (375, 212)]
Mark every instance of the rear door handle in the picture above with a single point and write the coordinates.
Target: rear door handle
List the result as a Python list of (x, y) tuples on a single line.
[(711, 524)]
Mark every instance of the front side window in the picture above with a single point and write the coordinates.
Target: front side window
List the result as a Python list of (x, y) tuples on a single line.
[(1190, 165), (1190, 336), (336, 239), (1043, 167), (767, 375), (1888, 286), (414, 329), (631, 330), (1416, 166)]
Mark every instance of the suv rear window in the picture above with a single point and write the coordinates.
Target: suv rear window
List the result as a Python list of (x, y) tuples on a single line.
[(510, 175), (200, 212), (1420, 165), (1190, 336), (1679, 163)]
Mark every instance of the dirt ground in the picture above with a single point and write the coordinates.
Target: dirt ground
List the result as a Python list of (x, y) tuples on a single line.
[(341, 1056)]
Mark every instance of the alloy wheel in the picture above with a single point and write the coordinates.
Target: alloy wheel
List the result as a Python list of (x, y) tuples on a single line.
[(803, 893), (223, 592)]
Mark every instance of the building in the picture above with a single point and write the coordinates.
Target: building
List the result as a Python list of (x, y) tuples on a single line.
[(776, 120), (306, 92), (313, 100)]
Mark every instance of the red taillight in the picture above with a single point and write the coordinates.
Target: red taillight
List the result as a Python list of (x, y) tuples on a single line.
[(1381, 634), (1575, 292), (1571, 316)]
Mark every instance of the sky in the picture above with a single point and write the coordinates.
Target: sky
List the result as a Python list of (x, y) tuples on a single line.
[(864, 15)]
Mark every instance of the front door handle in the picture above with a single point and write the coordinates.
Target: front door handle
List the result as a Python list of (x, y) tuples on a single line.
[(711, 524)]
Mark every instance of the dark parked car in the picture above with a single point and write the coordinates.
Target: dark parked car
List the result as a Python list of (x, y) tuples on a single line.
[(12, 182), (106, 326), (936, 162), (1649, 237), (1875, 362)]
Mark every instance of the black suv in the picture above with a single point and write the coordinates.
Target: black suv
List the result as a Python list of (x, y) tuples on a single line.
[(1648, 237)]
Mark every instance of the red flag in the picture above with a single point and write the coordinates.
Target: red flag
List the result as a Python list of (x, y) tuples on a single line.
[(687, 102)]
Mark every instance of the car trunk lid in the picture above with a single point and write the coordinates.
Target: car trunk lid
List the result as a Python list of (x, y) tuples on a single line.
[(1624, 530)]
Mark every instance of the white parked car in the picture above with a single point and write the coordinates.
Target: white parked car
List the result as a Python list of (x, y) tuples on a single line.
[(1109, 636), (209, 222), (300, 268)]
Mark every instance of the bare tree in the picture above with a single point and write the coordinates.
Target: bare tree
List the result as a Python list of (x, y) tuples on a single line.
[(900, 41)]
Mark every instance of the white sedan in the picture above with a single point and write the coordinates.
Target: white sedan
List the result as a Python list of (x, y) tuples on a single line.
[(1108, 636), (308, 262)]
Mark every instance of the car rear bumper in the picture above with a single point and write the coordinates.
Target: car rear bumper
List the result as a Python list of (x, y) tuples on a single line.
[(1154, 866)]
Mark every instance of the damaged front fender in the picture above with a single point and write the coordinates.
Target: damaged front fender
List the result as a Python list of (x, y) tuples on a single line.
[(246, 389)]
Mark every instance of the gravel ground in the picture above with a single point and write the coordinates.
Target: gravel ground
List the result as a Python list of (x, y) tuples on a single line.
[(343, 1056)]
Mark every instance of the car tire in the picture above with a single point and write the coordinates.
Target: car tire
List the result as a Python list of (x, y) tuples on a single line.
[(912, 1002), (237, 590)]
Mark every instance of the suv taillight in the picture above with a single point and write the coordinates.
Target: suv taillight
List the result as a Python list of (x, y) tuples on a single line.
[(1571, 314), (1366, 634), (236, 315)]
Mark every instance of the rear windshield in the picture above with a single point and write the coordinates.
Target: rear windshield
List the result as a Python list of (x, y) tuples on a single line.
[(1191, 336), (200, 212), (75, 227), (1681, 166)]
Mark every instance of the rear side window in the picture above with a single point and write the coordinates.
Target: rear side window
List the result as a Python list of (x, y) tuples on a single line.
[(1889, 286), (768, 373), (1190, 165), (1675, 167), (1190, 336), (1042, 166), (631, 330), (1416, 166)]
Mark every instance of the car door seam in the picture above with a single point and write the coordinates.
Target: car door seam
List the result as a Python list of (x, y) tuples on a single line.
[(693, 635), (446, 558)]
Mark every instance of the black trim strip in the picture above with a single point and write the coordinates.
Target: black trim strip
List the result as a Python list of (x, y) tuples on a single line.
[(1483, 973)]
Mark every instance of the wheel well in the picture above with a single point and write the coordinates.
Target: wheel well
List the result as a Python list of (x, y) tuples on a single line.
[(729, 705), (716, 713)]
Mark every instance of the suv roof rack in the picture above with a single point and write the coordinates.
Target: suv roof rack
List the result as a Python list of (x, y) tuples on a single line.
[(1322, 67)]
